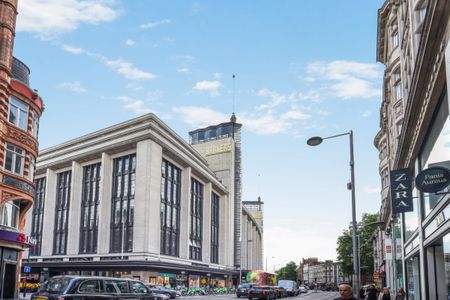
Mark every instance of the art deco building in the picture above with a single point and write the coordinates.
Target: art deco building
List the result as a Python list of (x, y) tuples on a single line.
[(136, 200), (21, 108), (412, 248)]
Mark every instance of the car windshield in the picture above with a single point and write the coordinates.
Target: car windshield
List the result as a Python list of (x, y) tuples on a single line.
[(56, 285)]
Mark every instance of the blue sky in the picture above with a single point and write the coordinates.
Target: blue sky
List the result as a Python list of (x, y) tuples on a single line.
[(303, 68)]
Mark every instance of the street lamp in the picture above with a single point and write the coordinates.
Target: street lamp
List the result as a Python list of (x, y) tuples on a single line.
[(317, 140)]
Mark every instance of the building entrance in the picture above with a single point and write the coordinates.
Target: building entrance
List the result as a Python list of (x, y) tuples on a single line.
[(8, 278)]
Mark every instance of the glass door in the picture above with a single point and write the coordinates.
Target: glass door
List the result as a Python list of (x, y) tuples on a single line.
[(9, 278)]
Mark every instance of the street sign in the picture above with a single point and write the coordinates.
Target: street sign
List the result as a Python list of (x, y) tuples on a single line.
[(26, 269)]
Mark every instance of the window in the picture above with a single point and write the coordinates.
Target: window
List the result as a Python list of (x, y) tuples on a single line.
[(122, 215), (138, 287), (31, 166), (14, 159), (215, 217), (398, 87), (90, 287), (18, 113), (170, 208), (9, 214), (38, 216), (395, 39), (34, 123), (61, 212), (89, 209), (195, 247)]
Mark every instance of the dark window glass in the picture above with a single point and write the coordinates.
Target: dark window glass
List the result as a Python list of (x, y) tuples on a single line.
[(89, 209), (170, 207), (122, 208), (38, 216), (90, 287), (195, 247), (61, 212), (215, 228)]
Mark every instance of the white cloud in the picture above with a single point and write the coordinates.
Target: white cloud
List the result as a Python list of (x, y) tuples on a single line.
[(323, 113), (200, 116), (294, 115), (347, 79), (366, 114), (74, 86), (135, 105), (51, 18), (128, 70), (183, 70), (277, 99), (73, 50), (210, 86), (130, 42), (134, 86), (155, 24)]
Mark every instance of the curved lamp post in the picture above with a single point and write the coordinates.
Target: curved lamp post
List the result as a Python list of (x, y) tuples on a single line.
[(317, 140)]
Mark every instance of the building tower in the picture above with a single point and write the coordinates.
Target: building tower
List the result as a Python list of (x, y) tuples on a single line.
[(221, 146), (21, 108)]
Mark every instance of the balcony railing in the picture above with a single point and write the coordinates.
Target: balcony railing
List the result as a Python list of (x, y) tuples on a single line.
[(20, 71)]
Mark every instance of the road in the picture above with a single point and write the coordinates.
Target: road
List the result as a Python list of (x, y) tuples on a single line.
[(319, 295)]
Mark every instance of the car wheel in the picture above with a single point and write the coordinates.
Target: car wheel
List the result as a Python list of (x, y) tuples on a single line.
[(239, 296)]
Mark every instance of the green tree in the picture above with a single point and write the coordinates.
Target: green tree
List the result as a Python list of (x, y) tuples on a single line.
[(288, 272), (365, 230)]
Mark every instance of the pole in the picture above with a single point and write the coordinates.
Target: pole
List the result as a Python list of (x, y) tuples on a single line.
[(266, 263), (355, 249), (359, 259), (240, 264)]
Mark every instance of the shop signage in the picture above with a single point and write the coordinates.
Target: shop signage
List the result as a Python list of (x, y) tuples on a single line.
[(223, 148), (166, 275), (17, 237), (401, 191), (388, 249), (433, 179)]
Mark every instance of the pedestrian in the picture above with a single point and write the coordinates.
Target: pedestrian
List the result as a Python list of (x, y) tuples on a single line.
[(372, 293), (385, 295), (346, 292), (362, 293), (401, 295)]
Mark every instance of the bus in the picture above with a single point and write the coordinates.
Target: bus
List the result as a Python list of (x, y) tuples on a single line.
[(261, 278)]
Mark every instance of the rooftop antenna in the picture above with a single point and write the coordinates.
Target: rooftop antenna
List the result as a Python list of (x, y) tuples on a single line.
[(234, 91)]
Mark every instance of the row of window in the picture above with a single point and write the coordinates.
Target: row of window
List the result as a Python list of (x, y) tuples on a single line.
[(15, 161), (122, 211)]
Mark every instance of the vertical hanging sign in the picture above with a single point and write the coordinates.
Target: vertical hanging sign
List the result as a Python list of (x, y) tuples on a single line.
[(401, 191)]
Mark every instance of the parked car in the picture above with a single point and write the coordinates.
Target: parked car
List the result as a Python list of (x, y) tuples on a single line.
[(280, 292), (242, 290), (290, 286), (172, 293), (302, 289), (94, 287), (264, 292)]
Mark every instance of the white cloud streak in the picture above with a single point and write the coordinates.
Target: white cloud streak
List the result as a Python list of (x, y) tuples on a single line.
[(48, 19), (151, 25), (74, 86), (135, 105), (209, 86)]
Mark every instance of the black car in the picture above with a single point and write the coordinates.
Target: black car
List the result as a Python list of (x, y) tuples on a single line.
[(263, 292), (93, 287), (242, 290)]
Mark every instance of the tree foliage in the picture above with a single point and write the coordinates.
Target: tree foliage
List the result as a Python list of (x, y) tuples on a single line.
[(365, 230), (288, 272)]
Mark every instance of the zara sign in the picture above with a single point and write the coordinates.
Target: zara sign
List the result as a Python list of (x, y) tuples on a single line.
[(401, 191)]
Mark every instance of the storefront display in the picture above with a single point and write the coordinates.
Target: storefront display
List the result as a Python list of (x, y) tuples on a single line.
[(194, 281), (413, 275), (166, 280)]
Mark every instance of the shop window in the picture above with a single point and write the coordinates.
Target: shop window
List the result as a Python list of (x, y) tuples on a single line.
[(435, 151), (413, 277), (31, 167), (18, 113), (38, 216), (195, 247), (14, 159), (62, 212)]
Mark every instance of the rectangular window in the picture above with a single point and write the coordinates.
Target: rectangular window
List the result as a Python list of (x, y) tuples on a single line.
[(395, 39), (122, 208), (215, 217), (170, 208), (18, 113), (34, 123), (195, 237), (38, 216), (89, 209), (61, 212), (31, 166), (14, 159)]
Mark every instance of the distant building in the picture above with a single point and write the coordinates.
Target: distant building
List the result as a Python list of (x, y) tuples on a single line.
[(21, 108)]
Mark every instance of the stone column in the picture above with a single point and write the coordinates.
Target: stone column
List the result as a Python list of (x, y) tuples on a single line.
[(223, 232), (147, 199), (206, 242), (185, 212), (49, 214), (104, 207), (73, 237)]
